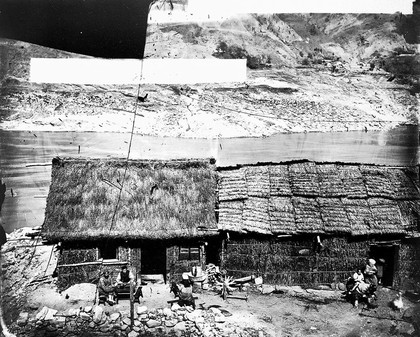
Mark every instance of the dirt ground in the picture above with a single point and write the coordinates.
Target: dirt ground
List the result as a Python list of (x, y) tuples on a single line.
[(288, 311), (292, 311)]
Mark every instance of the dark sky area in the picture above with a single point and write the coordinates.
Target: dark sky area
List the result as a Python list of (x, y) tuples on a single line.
[(102, 28)]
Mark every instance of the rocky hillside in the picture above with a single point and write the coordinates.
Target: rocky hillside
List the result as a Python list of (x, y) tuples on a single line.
[(279, 40), (337, 72)]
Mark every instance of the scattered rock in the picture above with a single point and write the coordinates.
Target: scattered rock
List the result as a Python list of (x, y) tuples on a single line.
[(181, 326), (304, 252), (73, 312), (152, 323), (199, 320), (113, 317), (127, 321), (133, 334), (88, 309), (267, 289), (175, 306), (97, 314), (41, 314), (405, 329), (22, 319), (46, 314), (171, 323), (409, 312), (144, 317), (324, 287), (192, 316), (141, 310), (59, 322), (215, 311), (167, 312), (341, 286), (85, 316)]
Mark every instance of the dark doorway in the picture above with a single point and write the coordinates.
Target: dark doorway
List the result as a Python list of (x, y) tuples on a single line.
[(153, 258), (389, 254), (213, 249)]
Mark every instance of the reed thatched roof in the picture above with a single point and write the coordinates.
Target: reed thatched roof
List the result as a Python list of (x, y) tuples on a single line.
[(159, 199), (310, 197)]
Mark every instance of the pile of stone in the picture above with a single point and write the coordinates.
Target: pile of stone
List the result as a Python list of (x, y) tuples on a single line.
[(177, 321)]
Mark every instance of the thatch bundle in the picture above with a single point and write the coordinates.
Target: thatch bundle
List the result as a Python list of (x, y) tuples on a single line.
[(232, 185), (257, 181), (282, 215), (304, 179), (256, 216), (159, 199), (334, 215), (279, 180), (387, 216), (410, 214), (402, 184), (352, 179), (168, 199), (377, 182), (230, 215), (330, 182), (308, 216), (309, 197), (359, 215)]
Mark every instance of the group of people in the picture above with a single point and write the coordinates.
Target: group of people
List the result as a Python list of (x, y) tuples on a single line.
[(364, 284), (109, 290)]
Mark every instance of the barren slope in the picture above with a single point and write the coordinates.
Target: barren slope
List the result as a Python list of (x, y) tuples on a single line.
[(306, 73)]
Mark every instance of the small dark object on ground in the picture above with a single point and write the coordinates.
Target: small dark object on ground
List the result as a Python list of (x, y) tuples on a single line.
[(142, 99), (175, 289)]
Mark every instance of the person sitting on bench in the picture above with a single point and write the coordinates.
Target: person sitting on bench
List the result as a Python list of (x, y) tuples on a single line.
[(105, 289), (125, 280)]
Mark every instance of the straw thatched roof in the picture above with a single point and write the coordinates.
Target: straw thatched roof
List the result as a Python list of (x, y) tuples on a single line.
[(310, 197), (159, 199)]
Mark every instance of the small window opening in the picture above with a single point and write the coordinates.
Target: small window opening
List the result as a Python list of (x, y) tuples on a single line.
[(108, 252), (189, 253)]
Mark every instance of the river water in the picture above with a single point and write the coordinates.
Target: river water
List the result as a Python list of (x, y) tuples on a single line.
[(27, 185)]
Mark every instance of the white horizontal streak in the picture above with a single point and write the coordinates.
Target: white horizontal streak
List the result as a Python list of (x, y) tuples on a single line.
[(130, 71), (300, 6)]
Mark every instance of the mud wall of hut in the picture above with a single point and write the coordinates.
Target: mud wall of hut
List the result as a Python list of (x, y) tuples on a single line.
[(408, 275), (81, 265), (295, 261), (175, 267)]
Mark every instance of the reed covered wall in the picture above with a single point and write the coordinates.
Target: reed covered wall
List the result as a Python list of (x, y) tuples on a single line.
[(295, 261)]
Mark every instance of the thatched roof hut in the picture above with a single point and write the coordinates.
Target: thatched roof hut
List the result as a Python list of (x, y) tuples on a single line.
[(318, 198), (158, 199)]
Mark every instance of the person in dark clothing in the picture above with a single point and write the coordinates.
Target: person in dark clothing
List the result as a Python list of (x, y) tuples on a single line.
[(125, 280), (125, 277), (106, 289)]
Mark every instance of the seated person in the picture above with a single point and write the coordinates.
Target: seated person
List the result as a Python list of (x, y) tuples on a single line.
[(125, 280), (105, 288), (358, 278), (370, 273)]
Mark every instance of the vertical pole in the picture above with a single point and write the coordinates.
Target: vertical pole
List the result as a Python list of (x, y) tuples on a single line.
[(131, 305)]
